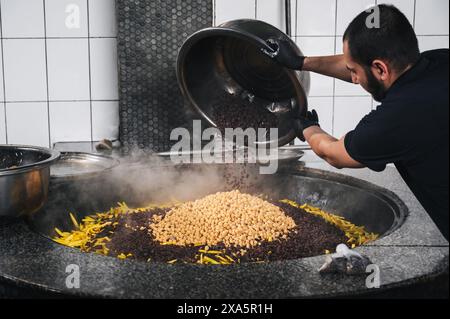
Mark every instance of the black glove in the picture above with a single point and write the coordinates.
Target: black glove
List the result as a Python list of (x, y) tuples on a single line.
[(285, 54), (311, 119)]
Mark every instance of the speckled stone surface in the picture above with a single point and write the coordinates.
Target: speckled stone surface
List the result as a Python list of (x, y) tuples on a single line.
[(415, 252)]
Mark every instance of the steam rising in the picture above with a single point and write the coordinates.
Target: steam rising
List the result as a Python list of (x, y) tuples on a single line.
[(143, 179)]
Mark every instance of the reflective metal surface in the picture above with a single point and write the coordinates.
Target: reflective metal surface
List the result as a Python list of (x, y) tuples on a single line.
[(229, 60), (24, 178), (77, 165), (284, 155)]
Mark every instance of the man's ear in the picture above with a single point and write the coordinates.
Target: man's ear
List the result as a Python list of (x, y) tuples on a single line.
[(381, 70)]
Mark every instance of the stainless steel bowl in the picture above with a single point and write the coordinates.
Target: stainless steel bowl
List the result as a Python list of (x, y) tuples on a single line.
[(228, 60), (24, 178)]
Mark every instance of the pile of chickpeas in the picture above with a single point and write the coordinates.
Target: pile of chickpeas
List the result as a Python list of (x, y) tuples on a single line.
[(230, 218)]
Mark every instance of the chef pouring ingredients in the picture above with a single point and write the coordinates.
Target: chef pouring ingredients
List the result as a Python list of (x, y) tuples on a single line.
[(410, 128)]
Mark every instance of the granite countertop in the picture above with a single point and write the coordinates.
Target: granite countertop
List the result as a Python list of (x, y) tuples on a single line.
[(415, 252)]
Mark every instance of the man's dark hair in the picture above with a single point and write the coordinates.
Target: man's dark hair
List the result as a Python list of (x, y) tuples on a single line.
[(394, 41)]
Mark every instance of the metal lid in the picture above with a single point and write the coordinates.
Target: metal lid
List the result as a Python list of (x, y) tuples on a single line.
[(283, 155), (74, 164)]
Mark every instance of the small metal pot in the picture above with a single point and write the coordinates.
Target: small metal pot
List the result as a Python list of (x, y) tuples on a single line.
[(229, 59), (24, 179)]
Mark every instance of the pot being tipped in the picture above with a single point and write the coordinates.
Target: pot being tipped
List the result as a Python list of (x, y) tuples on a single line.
[(228, 60)]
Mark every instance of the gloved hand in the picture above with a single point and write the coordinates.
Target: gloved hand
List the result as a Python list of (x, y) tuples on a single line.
[(345, 261), (284, 54), (311, 119)]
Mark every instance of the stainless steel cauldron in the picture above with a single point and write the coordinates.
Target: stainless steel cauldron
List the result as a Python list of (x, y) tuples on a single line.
[(229, 59)]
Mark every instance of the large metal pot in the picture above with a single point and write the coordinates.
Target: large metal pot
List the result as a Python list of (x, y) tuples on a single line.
[(230, 59), (24, 178)]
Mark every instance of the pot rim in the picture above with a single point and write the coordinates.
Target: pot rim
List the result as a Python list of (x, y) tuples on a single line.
[(53, 157), (109, 161)]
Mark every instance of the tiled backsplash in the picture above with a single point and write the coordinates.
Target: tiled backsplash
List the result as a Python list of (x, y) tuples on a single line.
[(59, 69)]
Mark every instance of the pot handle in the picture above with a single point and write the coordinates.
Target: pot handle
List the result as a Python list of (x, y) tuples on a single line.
[(274, 48)]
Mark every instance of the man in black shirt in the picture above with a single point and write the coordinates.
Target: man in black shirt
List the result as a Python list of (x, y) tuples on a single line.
[(411, 126)]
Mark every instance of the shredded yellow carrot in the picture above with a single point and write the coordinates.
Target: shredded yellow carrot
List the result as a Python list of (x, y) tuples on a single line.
[(357, 235), (74, 221), (210, 260)]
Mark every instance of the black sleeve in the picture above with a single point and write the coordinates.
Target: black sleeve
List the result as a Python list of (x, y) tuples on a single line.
[(377, 141)]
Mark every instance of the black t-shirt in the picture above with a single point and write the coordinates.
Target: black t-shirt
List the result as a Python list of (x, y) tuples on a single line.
[(411, 130)]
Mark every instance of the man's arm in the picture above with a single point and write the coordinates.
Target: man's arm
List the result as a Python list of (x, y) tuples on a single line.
[(283, 52), (333, 66), (329, 148)]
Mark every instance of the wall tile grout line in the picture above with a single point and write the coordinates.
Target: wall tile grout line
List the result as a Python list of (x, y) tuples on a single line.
[(256, 9), (63, 101), (373, 103), (90, 70), (3, 75), (54, 38), (414, 14), (47, 74), (333, 107)]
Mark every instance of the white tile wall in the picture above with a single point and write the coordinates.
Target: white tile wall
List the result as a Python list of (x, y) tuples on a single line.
[(104, 69), (2, 95), (66, 18), (433, 42), (68, 69), (316, 18), (105, 122), (24, 19), (25, 71), (68, 121), (226, 10), (271, 12), (102, 18), (60, 64), (28, 123), (347, 10), (432, 17), (348, 111), (70, 45)]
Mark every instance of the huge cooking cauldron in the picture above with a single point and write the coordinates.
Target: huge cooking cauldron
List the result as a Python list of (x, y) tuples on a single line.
[(139, 185), (360, 202), (229, 60)]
